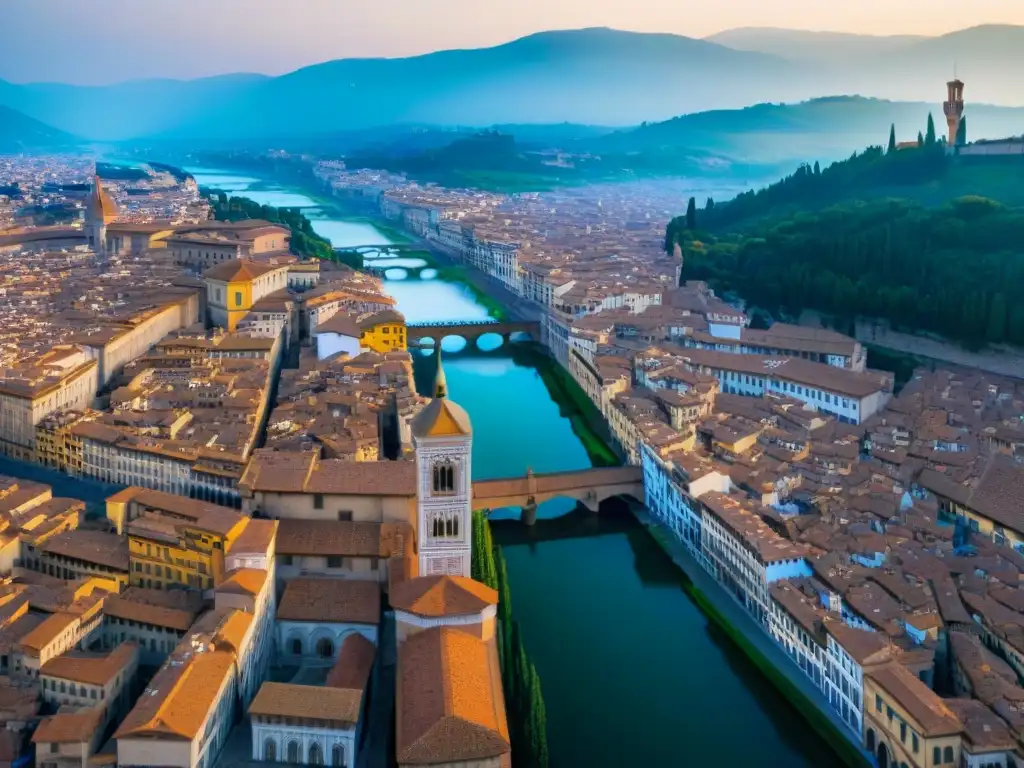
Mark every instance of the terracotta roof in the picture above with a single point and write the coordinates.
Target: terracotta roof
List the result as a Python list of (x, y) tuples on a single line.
[(96, 547), (442, 418), (237, 270), (69, 726), (325, 538), (90, 668), (145, 607), (449, 705), (436, 596), (920, 702), (179, 698), (308, 702), (47, 632), (256, 538), (330, 600), (355, 660), (244, 581), (288, 472)]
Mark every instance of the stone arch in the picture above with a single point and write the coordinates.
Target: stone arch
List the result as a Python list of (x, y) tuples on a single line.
[(294, 752), (325, 648), (269, 750), (882, 756), (320, 639), (295, 643), (316, 754), (338, 756)]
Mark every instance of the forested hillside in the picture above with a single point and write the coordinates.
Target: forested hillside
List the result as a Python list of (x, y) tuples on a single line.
[(833, 240)]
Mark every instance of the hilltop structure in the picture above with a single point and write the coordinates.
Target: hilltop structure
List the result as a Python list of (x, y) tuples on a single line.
[(953, 108)]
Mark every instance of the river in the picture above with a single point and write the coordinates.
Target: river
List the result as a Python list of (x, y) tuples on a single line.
[(633, 673)]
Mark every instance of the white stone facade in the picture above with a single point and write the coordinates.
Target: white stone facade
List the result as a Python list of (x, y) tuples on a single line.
[(299, 641), (303, 745), (444, 516)]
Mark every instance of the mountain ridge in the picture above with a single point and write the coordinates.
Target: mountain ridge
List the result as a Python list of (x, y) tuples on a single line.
[(594, 76)]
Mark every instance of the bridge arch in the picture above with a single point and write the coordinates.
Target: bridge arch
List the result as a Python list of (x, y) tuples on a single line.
[(589, 487), (472, 331)]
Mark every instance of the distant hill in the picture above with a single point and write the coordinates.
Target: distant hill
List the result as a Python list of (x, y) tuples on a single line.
[(589, 76), (819, 129), (20, 133), (580, 77), (817, 47)]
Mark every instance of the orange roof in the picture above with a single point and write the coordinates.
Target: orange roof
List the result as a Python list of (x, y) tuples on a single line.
[(449, 705), (308, 702), (355, 660), (435, 596), (69, 726), (441, 418), (239, 270), (179, 698), (330, 600), (92, 669), (246, 581)]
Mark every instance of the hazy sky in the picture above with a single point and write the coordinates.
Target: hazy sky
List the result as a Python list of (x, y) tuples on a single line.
[(103, 41)]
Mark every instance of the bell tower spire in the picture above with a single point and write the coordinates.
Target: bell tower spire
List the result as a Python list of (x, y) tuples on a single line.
[(440, 381), (953, 107)]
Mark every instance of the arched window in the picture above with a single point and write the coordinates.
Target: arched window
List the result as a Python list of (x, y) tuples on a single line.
[(871, 740), (947, 755), (296, 647), (293, 752), (270, 751), (325, 649), (338, 756), (444, 478), (316, 755)]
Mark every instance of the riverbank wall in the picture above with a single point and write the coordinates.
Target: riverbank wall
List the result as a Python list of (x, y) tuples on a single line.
[(724, 609)]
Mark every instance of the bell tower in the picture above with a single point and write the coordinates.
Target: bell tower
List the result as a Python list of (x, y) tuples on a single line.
[(953, 108), (443, 442), (100, 210)]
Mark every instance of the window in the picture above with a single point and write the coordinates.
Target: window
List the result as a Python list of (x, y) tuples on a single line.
[(270, 751), (238, 298), (325, 649), (335, 561), (296, 651), (286, 559), (947, 755), (913, 739), (903, 732), (345, 515), (937, 755), (293, 752), (444, 478), (878, 703), (318, 501), (316, 755), (338, 756)]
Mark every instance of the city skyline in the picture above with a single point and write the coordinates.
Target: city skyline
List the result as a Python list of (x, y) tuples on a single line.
[(259, 37)]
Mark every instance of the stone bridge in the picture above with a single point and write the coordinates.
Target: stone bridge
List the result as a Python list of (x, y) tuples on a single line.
[(472, 331), (588, 486), (392, 248), (381, 270)]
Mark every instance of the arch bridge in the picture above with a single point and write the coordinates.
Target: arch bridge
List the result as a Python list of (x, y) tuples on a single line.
[(470, 331), (394, 249), (381, 270), (587, 486)]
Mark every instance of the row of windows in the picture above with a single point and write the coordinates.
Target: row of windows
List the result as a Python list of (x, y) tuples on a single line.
[(315, 756)]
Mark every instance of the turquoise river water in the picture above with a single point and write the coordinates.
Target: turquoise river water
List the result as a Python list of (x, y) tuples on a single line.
[(633, 673)]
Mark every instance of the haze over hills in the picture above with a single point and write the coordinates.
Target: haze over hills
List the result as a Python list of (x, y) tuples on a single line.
[(589, 76), (21, 133)]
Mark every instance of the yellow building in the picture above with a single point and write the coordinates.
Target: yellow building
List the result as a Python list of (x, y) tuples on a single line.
[(165, 553), (382, 331), (905, 721), (56, 444), (351, 333), (234, 286)]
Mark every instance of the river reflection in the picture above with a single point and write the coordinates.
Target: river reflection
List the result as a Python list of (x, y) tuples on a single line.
[(633, 673)]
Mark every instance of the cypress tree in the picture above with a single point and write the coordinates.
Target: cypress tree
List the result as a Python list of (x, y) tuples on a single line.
[(920, 139), (709, 205), (538, 721), (996, 319), (817, 168), (691, 214), (929, 136), (892, 138)]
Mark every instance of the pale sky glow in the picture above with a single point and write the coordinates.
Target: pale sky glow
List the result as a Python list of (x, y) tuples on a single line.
[(104, 41)]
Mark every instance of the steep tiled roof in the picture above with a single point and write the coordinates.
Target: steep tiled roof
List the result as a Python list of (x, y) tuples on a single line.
[(442, 596)]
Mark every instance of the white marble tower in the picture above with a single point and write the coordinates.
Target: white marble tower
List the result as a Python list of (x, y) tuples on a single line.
[(443, 440)]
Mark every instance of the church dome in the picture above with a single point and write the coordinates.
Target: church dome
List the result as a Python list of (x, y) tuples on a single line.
[(101, 205)]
